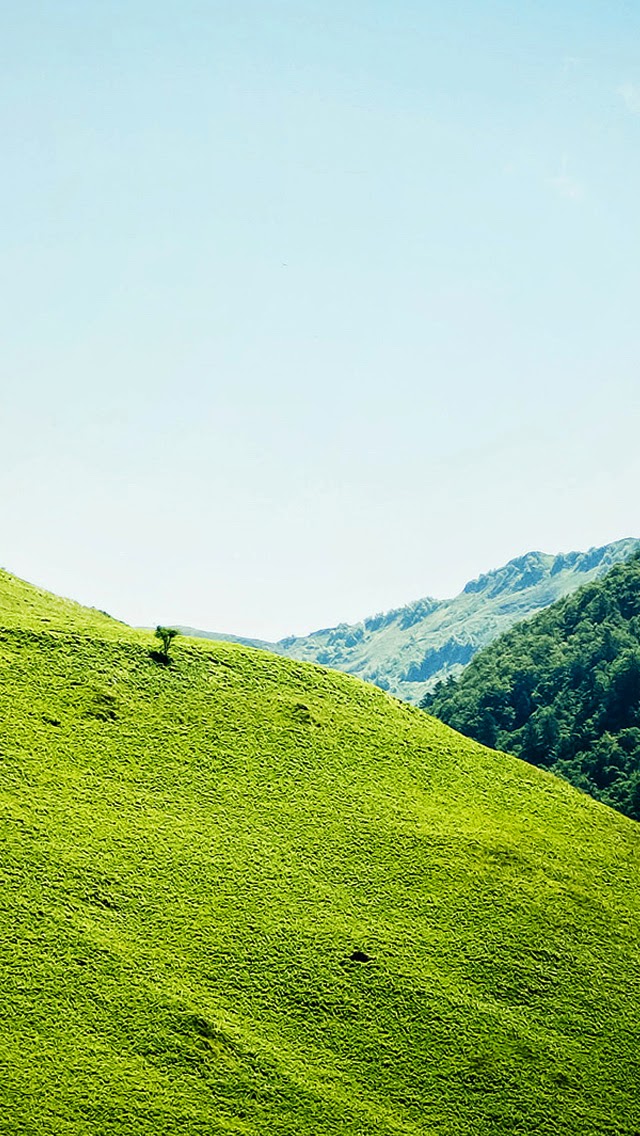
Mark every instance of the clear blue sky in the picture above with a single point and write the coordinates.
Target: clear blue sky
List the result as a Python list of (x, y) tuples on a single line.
[(310, 309)]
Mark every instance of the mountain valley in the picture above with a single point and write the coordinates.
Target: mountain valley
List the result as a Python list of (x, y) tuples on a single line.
[(408, 650)]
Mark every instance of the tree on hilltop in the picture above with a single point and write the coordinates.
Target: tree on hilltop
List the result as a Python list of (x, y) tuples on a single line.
[(166, 635)]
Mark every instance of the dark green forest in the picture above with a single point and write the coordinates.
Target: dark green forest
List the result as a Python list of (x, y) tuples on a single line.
[(562, 690)]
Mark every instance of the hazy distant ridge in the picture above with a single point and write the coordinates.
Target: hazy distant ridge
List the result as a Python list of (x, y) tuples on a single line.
[(407, 650)]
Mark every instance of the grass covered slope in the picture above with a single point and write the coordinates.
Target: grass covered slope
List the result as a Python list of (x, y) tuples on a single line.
[(24, 606), (563, 690), (244, 895)]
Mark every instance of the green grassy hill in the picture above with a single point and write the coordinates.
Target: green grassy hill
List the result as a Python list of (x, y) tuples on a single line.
[(244, 895), (408, 650), (562, 690)]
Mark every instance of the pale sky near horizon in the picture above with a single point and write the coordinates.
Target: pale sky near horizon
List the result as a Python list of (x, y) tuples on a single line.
[(311, 309)]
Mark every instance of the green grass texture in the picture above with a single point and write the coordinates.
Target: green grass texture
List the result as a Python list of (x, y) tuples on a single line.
[(245, 895)]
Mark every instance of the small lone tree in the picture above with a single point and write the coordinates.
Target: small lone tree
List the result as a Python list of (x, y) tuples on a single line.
[(166, 635)]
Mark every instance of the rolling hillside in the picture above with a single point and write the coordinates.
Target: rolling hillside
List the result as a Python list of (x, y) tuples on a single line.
[(407, 651), (245, 895), (562, 690)]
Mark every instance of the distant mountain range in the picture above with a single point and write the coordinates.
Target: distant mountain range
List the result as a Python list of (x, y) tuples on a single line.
[(408, 650)]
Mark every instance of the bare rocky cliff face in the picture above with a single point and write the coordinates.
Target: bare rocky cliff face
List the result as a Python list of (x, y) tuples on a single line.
[(408, 650)]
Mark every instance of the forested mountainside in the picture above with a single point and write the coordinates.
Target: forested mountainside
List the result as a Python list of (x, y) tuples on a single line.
[(407, 651), (562, 690), (245, 895)]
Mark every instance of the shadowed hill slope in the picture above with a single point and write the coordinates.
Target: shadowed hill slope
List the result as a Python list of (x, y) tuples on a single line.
[(243, 895), (562, 690), (408, 650)]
